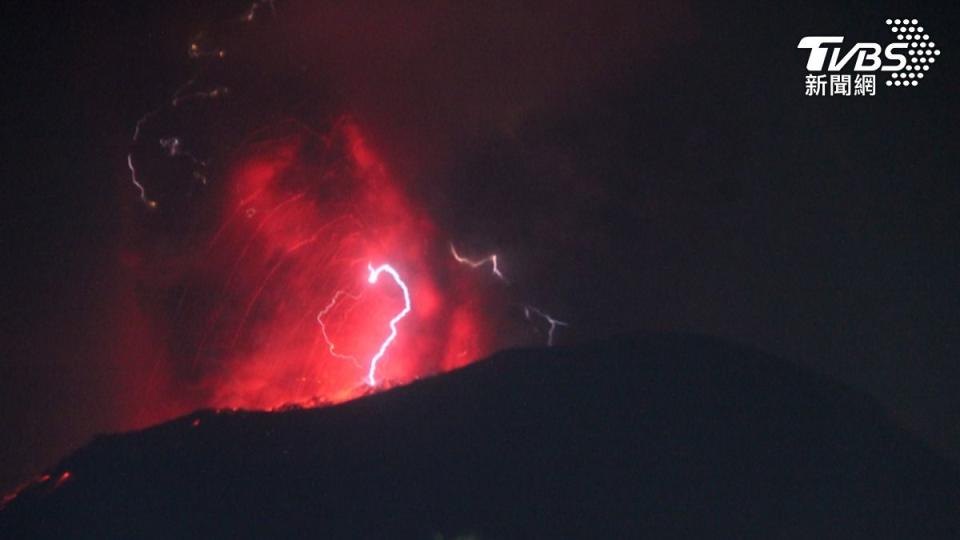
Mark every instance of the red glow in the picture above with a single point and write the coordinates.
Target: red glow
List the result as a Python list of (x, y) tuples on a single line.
[(66, 475), (281, 306), (41, 482)]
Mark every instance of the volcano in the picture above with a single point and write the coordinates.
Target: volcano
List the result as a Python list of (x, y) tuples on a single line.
[(647, 436)]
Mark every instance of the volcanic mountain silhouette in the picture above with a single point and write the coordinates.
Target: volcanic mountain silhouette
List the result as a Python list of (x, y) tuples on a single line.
[(657, 436)]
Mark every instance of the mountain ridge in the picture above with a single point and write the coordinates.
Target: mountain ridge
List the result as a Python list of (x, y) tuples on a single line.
[(657, 435)]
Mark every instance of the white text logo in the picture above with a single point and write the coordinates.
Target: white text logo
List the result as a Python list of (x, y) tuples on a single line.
[(905, 60)]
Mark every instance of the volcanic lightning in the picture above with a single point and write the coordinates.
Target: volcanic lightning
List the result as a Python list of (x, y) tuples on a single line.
[(372, 279), (529, 311), (265, 263), (148, 202), (323, 327), (492, 259)]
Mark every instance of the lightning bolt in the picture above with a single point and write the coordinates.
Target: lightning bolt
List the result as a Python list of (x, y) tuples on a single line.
[(323, 327), (150, 203), (529, 311), (173, 145), (372, 279), (491, 259)]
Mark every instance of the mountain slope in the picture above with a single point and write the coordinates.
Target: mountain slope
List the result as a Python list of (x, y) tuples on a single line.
[(650, 436)]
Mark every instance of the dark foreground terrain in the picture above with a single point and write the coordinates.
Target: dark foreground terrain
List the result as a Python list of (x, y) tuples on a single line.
[(648, 437)]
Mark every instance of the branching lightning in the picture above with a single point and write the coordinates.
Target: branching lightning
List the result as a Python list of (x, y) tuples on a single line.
[(529, 311), (252, 326), (491, 259), (372, 279), (173, 145), (323, 327)]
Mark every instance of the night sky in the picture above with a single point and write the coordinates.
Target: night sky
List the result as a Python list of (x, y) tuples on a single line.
[(637, 168)]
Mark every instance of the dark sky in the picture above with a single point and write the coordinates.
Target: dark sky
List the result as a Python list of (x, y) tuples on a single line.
[(639, 168)]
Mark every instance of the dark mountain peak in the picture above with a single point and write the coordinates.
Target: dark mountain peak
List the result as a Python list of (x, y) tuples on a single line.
[(633, 437)]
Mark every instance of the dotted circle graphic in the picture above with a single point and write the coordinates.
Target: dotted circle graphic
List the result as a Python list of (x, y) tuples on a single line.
[(920, 50)]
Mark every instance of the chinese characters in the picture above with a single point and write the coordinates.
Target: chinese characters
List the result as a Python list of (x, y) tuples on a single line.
[(841, 85)]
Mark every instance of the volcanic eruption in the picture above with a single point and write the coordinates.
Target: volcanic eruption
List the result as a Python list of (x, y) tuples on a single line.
[(321, 280), (237, 217), (278, 259)]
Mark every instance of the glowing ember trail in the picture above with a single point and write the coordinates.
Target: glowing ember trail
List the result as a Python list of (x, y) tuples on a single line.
[(374, 275)]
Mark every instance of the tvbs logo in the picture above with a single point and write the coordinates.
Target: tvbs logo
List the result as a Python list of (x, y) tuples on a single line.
[(907, 61)]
